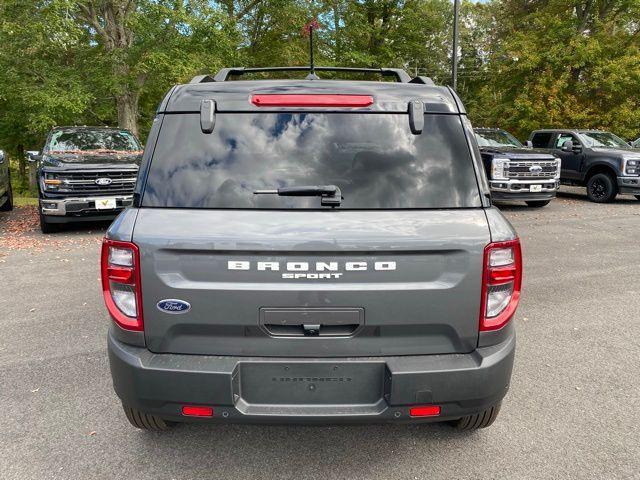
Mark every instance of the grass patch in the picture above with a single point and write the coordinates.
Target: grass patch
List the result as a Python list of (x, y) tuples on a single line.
[(24, 201)]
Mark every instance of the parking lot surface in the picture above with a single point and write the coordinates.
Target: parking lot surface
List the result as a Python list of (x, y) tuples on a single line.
[(573, 410)]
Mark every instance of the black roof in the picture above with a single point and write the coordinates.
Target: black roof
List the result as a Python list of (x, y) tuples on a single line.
[(235, 95)]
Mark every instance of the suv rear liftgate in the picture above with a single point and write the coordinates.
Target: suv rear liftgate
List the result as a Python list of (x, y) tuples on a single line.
[(301, 255)]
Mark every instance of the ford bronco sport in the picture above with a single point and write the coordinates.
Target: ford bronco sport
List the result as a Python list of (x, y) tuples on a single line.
[(600, 161), (85, 174), (311, 251), (515, 172)]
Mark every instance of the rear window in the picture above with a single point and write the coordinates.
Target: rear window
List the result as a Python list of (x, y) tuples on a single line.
[(374, 159)]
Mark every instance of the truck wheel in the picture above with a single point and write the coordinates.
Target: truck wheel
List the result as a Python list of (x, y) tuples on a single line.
[(8, 205), (477, 420), (145, 421), (46, 227), (637, 197), (538, 203), (601, 188)]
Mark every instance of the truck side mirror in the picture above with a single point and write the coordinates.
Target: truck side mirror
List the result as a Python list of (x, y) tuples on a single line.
[(567, 146), (34, 156), (1, 156), (529, 144)]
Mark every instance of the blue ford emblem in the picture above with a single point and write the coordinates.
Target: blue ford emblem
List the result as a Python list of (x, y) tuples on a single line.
[(535, 169), (172, 305)]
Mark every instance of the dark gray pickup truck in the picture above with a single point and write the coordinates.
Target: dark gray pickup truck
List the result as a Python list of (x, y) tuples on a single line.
[(85, 174), (313, 251), (600, 161)]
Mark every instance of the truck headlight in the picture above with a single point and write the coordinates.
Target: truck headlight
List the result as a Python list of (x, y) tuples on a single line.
[(499, 167), (51, 181), (632, 167), (559, 168)]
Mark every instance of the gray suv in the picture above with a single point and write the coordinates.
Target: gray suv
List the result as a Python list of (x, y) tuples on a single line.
[(314, 251)]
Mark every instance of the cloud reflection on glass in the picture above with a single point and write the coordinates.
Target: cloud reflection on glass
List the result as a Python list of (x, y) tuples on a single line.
[(374, 158)]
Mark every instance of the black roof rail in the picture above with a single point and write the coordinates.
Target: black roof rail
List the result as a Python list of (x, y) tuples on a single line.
[(423, 80), (202, 79), (222, 76)]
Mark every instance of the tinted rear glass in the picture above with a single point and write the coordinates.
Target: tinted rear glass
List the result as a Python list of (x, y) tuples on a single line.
[(373, 158)]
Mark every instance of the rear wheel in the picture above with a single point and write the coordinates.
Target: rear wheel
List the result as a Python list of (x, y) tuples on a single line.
[(477, 420), (8, 205), (46, 227), (538, 203), (637, 197), (145, 421), (601, 188)]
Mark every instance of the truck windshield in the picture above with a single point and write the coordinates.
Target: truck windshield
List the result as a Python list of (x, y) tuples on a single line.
[(496, 138), (87, 140), (373, 159), (602, 140)]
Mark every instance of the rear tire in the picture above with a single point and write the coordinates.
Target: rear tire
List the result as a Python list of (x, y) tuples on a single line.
[(46, 227), (145, 421), (8, 205), (482, 419), (637, 197), (602, 188), (538, 203)]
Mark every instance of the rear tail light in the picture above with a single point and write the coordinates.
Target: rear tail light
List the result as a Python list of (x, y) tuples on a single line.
[(121, 283), (501, 283)]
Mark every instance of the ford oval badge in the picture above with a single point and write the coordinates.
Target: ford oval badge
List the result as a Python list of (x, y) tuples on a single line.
[(172, 305)]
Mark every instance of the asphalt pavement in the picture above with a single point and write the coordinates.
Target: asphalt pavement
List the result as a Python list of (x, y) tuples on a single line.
[(573, 411)]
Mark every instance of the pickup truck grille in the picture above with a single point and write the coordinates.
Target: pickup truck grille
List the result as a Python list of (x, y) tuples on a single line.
[(527, 169), (92, 183)]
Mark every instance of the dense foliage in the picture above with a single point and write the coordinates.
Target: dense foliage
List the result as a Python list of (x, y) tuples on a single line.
[(525, 64)]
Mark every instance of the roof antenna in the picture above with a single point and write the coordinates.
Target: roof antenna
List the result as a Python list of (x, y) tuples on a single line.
[(308, 30)]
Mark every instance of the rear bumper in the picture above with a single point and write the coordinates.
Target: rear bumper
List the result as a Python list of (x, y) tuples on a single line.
[(236, 387)]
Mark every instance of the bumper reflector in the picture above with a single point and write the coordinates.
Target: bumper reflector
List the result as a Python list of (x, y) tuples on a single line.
[(425, 411), (196, 411)]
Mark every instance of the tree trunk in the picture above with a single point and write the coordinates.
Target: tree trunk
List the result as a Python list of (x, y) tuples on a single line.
[(127, 104), (22, 164)]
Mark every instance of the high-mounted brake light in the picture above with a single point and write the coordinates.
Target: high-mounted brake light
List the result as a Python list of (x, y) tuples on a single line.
[(121, 283), (501, 284), (311, 100)]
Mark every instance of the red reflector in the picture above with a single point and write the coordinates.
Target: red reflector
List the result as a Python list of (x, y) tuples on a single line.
[(502, 274), (306, 100), (425, 411), (195, 411), (120, 274)]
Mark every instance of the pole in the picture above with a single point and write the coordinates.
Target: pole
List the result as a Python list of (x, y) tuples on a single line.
[(454, 53), (311, 61)]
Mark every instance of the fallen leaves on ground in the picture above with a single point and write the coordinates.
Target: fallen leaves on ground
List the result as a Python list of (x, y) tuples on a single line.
[(20, 230)]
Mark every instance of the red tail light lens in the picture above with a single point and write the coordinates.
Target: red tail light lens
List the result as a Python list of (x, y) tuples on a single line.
[(302, 100), (501, 284), (121, 283)]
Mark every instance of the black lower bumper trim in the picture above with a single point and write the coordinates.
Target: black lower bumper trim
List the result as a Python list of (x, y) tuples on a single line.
[(383, 388)]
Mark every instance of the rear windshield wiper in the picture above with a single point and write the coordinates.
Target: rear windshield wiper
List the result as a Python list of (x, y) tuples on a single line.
[(330, 194)]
